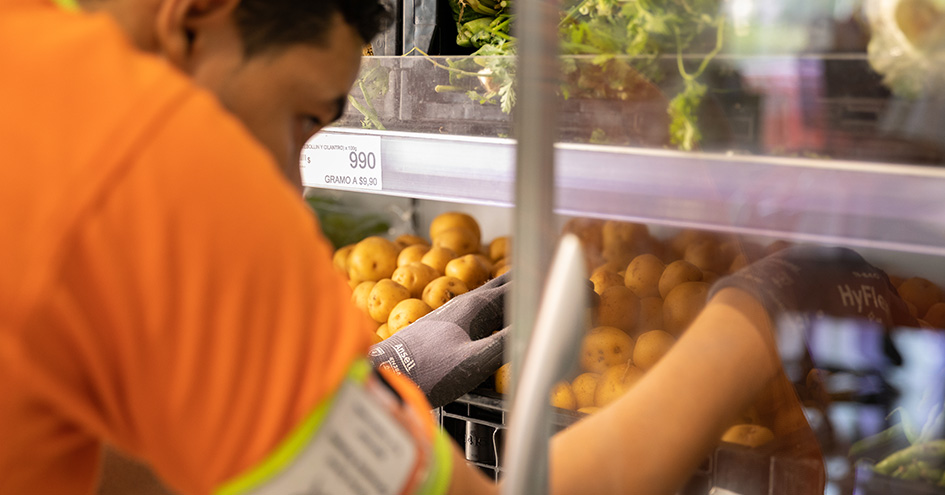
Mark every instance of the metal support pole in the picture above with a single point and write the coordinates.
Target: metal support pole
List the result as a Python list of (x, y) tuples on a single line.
[(535, 129)]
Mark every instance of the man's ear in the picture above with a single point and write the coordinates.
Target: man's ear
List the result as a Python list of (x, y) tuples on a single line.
[(180, 23)]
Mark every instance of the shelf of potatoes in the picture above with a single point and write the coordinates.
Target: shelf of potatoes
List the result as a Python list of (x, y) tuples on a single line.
[(650, 289), (397, 282)]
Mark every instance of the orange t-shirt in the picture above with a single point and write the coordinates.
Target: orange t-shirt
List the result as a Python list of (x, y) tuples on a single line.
[(163, 289)]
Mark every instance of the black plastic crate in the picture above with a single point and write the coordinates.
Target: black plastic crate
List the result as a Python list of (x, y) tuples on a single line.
[(477, 422)]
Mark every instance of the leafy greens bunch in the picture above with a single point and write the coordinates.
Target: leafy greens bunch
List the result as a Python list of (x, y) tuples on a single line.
[(626, 38)]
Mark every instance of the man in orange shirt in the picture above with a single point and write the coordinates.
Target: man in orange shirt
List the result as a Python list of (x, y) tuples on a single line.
[(165, 290)]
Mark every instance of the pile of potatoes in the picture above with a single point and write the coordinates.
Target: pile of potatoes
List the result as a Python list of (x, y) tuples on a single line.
[(650, 290), (397, 282)]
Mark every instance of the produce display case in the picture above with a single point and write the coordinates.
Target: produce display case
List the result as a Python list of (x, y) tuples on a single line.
[(803, 139)]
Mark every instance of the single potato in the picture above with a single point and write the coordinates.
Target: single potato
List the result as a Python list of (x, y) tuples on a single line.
[(616, 381), (619, 307), (563, 397), (384, 296), (441, 290), (589, 409), (374, 258), (453, 219), (603, 277), (412, 254), (643, 275), (682, 305), (383, 331), (603, 347), (460, 240), (749, 435), (486, 262), (502, 378), (499, 248), (678, 272), (340, 259), (920, 292), (469, 269), (651, 347), (405, 313), (935, 316), (415, 277), (687, 237), (361, 295), (437, 258), (705, 255), (501, 267), (584, 387)]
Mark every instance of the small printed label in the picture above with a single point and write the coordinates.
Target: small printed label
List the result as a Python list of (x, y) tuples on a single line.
[(342, 161), (360, 449)]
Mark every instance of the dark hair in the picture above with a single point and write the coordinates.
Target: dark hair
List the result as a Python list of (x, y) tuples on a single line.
[(272, 24)]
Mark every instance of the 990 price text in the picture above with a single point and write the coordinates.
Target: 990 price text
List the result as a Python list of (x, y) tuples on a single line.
[(362, 160)]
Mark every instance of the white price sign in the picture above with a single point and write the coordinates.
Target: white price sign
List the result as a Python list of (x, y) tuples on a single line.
[(345, 161)]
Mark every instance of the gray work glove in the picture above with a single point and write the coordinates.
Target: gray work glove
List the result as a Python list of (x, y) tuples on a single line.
[(453, 349), (815, 280)]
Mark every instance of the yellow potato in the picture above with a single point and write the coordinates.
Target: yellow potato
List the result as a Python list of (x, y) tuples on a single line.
[(453, 219), (501, 267), (383, 331), (437, 258), (619, 307), (678, 272), (499, 248), (374, 258), (460, 240), (603, 277), (643, 275), (405, 313), (384, 296), (502, 378), (414, 276), (651, 347), (486, 262), (441, 290), (412, 254), (361, 295), (749, 435), (624, 236), (935, 316), (405, 240), (651, 314), (469, 269), (340, 259), (589, 409), (682, 305), (563, 397), (705, 255), (615, 381), (920, 292), (584, 387), (604, 347)]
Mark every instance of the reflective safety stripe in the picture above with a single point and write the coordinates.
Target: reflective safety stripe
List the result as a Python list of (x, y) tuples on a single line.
[(438, 480), (297, 441), (70, 5)]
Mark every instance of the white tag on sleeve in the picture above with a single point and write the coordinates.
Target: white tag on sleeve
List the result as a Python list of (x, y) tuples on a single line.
[(359, 449)]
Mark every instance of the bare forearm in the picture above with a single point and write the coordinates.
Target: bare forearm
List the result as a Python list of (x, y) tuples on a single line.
[(650, 440)]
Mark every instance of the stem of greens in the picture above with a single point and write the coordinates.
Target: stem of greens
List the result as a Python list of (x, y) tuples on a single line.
[(368, 114)]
